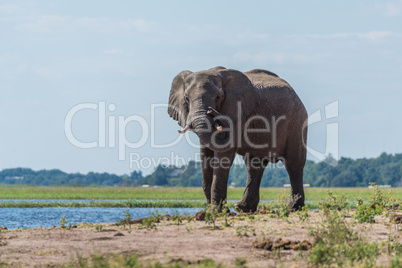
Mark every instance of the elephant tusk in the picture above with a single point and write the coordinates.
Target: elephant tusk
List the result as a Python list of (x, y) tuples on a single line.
[(218, 126), (184, 130), (213, 112)]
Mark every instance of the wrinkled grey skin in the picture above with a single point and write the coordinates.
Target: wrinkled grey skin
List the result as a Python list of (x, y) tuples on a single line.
[(260, 95)]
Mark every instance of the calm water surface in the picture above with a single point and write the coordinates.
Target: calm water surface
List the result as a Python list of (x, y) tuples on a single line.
[(13, 218), (65, 200)]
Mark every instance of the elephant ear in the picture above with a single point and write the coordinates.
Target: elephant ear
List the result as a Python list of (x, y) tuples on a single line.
[(178, 108), (239, 94)]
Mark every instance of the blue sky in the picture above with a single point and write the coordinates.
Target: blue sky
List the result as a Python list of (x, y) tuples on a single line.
[(55, 55)]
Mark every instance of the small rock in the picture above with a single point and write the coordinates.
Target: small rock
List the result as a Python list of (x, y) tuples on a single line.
[(263, 244), (279, 243), (119, 234), (126, 222), (102, 238), (395, 218), (305, 245), (269, 244), (137, 221), (200, 216)]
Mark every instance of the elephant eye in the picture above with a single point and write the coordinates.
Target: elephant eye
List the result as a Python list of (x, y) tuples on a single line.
[(186, 98)]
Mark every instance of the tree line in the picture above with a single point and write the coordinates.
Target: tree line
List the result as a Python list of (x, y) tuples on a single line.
[(58, 177), (383, 170)]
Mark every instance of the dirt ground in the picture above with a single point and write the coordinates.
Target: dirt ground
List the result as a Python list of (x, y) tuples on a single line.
[(188, 242)]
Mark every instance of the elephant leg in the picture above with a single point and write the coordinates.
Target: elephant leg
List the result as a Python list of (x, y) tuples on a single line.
[(294, 161), (221, 164), (207, 156), (251, 196), (295, 171)]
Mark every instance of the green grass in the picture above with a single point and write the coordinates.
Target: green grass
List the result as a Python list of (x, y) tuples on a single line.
[(108, 204), (93, 192), (318, 194), (133, 261), (138, 193)]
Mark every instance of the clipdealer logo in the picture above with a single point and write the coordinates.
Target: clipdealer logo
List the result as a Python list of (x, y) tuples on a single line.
[(112, 133)]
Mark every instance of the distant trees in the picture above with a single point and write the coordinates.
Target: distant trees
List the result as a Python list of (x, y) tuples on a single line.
[(385, 169), (186, 176), (58, 177)]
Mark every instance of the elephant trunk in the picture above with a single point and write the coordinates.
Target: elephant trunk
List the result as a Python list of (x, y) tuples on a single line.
[(211, 135)]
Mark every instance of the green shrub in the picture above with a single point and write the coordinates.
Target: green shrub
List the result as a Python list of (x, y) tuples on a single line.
[(337, 244), (379, 202), (149, 222), (63, 222), (284, 205), (380, 199), (394, 245), (334, 202), (225, 221), (157, 216), (344, 254), (366, 213), (303, 214), (177, 219), (396, 262), (127, 219), (211, 216), (333, 229), (110, 260), (240, 262)]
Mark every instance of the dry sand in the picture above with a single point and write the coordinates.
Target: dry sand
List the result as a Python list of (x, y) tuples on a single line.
[(189, 242)]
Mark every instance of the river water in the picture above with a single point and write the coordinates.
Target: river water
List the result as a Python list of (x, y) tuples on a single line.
[(14, 218)]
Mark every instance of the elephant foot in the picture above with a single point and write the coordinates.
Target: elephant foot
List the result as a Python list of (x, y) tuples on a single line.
[(244, 207), (298, 206)]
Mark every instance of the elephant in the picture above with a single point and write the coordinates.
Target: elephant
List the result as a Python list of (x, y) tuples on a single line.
[(255, 114)]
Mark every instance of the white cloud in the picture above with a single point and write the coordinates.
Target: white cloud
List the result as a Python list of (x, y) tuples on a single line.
[(392, 8), (328, 36), (376, 35), (372, 35)]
